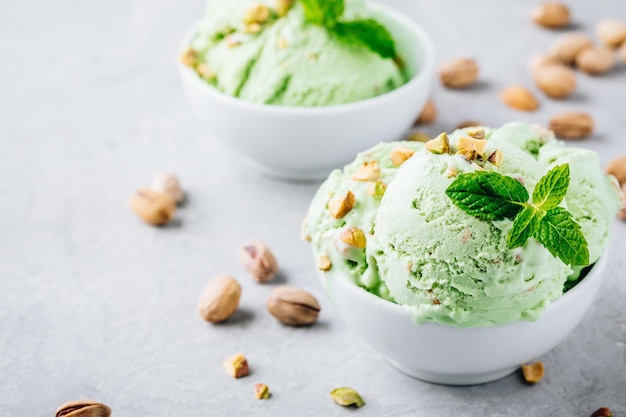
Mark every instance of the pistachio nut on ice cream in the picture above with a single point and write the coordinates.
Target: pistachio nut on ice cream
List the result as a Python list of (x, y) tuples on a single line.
[(294, 52), (481, 227)]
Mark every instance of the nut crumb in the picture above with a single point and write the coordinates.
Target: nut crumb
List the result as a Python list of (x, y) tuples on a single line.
[(533, 373), (261, 392), (370, 171), (237, 366)]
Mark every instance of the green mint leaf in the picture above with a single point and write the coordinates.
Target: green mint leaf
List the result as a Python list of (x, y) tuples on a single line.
[(561, 235), (525, 225), (369, 33), (551, 188), (323, 12), (488, 195)]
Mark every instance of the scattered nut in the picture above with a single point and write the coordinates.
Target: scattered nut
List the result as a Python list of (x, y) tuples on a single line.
[(259, 261), (347, 397), (293, 306), (282, 6), (612, 32), (428, 114), (219, 299), (595, 61), (323, 263), (83, 408), (168, 183), (602, 412), (439, 145), (370, 171), (468, 123), (622, 213), (551, 15), (496, 157), (401, 154), (257, 13), (557, 81), (340, 206), (568, 46), (261, 392), (542, 60), (617, 168), (188, 57), (237, 366), (376, 188), (418, 137), (153, 207), (204, 72), (353, 236), (470, 147), (533, 373), (458, 73), (519, 98), (572, 125)]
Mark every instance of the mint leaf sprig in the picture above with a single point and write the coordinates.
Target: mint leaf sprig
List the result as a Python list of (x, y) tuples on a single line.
[(368, 32), (493, 196)]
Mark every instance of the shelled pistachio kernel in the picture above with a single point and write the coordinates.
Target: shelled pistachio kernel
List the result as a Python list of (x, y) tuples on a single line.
[(476, 133), (471, 147), (261, 392), (340, 206), (353, 236), (496, 157), (533, 373), (282, 6), (369, 171), (323, 263), (401, 154), (188, 57), (376, 188), (237, 366), (439, 145), (346, 397), (257, 13)]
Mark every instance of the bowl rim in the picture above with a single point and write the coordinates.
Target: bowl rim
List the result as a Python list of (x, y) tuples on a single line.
[(399, 309), (425, 71)]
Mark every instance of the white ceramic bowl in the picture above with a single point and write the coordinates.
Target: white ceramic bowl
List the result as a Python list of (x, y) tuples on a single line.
[(458, 356), (306, 143)]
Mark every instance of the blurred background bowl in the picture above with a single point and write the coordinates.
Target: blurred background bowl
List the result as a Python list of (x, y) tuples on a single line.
[(308, 142)]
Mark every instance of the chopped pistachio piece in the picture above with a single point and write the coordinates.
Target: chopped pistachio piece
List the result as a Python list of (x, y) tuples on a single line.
[(476, 133), (282, 43), (189, 57), (439, 145), (496, 157), (347, 397), (204, 72), (452, 171), (470, 147), (261, 392), (282, 6), (323, 263), (237, 365), (401, 154), (533, 372), (353, 236), (257, 13), (376, 188), (252, 28), (370, 171), (340, 206)]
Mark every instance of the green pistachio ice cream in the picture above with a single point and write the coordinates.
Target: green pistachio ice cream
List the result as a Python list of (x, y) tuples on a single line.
[(262, 52), (420, 250)]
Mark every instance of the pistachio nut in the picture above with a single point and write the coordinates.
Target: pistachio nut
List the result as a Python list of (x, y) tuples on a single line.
[(261, 392), (346, 397), (428, 114), (496, 157), (602, 412), (259, 261), (400, 155), (83, 408), (340, 206), (188, 57), (439, 145), (293, 306), (533, 373), (219, 299), (376, 188), (237, 366), (257, 13), (369, 171), (154, 207), (323, 263), (168, 183)]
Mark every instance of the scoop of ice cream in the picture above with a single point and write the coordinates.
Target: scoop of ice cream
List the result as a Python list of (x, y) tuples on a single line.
[(449, 267), (286, 61)]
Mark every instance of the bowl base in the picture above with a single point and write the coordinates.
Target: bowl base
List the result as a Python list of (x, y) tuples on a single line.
[(453, 379)]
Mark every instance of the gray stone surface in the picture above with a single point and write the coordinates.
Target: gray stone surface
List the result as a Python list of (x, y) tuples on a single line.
[(95, 304)]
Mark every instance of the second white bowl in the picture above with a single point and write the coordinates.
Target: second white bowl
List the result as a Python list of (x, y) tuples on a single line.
[(306, 143)]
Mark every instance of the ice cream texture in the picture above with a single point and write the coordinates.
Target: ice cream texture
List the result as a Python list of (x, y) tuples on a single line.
[(282, 59), (442, 264)]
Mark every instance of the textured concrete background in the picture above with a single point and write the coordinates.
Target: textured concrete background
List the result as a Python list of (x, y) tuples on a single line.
[(95, 304)]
